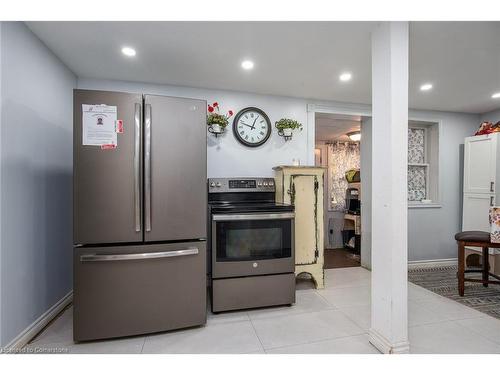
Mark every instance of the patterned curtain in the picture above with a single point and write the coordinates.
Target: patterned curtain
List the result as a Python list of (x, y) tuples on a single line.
[(342, 156)]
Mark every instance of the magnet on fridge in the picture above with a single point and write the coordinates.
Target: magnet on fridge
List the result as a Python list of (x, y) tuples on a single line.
[(108, 147), (119, 126)]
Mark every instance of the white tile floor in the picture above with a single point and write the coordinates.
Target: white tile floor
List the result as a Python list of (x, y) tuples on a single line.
[(333, 320)]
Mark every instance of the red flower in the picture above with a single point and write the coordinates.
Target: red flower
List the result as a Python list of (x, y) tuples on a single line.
[(210, 109), (215, 104), (230, 113)]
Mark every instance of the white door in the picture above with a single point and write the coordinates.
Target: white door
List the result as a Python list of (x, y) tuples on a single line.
[(480, 164), (476, 211)]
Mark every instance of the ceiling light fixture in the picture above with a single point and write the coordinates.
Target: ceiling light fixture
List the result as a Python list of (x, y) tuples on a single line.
[(128, 51), (426, 87), (496, 95), (354, 136), (247, 65), (344, 77)]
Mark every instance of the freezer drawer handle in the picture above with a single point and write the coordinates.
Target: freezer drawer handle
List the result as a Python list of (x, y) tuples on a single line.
[(240, 217), (138, 256), (137, 167)]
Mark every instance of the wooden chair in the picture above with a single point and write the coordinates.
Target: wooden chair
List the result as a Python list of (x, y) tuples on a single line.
[(475, 239)]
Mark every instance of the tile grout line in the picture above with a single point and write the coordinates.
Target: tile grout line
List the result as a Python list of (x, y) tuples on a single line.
[(256, 334), (316, 341)]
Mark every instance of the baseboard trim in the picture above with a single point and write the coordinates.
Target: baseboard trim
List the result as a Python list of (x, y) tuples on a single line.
[(385, 347), (38, 325), (432, 263)]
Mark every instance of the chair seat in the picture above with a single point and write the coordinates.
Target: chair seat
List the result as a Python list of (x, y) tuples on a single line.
[(473, 236)]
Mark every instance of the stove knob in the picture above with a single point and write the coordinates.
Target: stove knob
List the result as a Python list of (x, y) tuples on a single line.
[(259, 184), (271, 183), (265, 183), (212, 184), (218, 184)]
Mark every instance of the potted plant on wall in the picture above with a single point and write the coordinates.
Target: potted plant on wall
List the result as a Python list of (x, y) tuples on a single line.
[(216, 121), (286, 126)]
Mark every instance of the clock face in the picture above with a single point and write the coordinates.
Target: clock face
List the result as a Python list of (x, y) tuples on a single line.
[(251, 127)]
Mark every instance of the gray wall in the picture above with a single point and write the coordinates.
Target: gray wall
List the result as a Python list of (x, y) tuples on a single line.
[(36, 174), (492, 116), (431, 230)]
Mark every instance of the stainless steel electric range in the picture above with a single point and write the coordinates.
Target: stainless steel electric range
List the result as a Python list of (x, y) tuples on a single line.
[(251, 243)]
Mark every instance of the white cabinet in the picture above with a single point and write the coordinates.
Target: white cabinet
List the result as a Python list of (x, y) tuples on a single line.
[(476, 209), (481, 177), (480, 164), (303, 187)]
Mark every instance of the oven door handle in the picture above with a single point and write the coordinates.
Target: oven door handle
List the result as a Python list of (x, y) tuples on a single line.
[(240, 217)]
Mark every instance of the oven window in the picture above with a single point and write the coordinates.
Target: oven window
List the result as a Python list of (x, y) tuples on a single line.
[(253, 240)]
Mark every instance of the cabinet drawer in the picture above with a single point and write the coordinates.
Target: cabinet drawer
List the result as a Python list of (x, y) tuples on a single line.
[(131, 290)]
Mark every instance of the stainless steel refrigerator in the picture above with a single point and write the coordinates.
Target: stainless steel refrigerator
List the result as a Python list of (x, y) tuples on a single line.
[(140, 218)]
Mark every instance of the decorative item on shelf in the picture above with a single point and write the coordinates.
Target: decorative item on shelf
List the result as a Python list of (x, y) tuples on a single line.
[(487, 127), (286, 126), (353, 175), (217, 122)]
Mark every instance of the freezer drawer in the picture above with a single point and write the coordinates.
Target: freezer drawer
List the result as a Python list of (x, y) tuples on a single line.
[(131, 290)]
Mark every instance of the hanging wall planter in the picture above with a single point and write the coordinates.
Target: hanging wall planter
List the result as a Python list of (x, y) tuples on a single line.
[(216, 122), (286, 126)]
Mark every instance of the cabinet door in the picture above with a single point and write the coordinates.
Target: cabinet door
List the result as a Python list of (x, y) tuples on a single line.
[(304, 195), (476, 211), (480, 164)]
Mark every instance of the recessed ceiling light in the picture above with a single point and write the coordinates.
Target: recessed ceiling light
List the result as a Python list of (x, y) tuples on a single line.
[(426, 87), (496, 95), (128, 51), (344, 77), (247, 64), (354, 136)]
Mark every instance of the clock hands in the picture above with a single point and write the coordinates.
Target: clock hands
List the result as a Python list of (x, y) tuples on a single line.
[(250, 126), (253, 125)]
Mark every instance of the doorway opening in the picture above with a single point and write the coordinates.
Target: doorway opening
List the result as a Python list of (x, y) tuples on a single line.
[(338, 139)]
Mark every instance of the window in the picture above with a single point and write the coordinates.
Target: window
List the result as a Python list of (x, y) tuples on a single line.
[(422, 162)]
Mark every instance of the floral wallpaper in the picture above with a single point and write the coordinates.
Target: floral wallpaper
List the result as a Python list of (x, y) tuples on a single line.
[(416, 145), (495, 224), (417, 181), (342, 156), (417, 175)]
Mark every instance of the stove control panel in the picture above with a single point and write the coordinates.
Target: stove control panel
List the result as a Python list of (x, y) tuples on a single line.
[(253, 184)]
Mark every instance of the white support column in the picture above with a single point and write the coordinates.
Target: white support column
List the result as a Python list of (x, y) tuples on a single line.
[(389, 312)]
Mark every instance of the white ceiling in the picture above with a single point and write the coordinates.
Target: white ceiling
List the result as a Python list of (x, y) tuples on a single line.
[(333, 127), (300, 59)]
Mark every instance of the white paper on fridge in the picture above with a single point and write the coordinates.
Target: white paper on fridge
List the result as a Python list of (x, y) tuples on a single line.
[(99, 125)]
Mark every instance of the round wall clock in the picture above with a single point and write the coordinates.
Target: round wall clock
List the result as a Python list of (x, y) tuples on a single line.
[(252, 127)]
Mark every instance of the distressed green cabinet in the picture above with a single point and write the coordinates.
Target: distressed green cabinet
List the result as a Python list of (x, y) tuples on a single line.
[(303, 187)]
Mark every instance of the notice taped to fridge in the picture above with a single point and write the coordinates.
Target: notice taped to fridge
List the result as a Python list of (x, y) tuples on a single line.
[(99, 125)]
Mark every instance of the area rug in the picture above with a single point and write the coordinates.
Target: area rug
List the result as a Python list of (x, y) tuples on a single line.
[(443, 281)]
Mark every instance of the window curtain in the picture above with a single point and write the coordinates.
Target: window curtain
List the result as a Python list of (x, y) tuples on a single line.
[(342, 156)]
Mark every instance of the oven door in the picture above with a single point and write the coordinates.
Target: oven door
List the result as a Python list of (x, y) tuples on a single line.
[(252, 244)]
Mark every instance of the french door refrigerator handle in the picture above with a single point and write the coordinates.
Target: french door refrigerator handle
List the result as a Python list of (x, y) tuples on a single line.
[(137, 166), (138, 256), (147, 167)]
